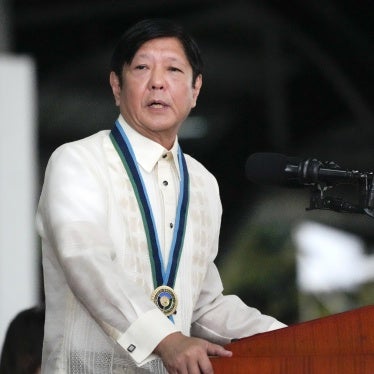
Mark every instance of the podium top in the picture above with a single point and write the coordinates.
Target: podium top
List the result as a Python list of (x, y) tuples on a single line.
[(349, 332), (338, 344)]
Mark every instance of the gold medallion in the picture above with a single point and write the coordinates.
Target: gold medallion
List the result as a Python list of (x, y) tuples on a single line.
[(165, 299)]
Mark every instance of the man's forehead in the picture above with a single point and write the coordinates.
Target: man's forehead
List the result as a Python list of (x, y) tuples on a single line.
[(164, 44)]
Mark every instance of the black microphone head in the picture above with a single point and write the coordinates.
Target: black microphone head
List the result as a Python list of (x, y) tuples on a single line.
[(270, 169)]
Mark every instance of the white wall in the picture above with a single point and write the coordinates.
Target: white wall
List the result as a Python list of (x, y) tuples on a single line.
[(18, 246)]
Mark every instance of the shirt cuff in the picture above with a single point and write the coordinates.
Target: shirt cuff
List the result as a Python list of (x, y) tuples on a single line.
[(142, 337)]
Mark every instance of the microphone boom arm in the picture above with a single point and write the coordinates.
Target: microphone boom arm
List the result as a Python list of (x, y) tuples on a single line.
[(318, 200)]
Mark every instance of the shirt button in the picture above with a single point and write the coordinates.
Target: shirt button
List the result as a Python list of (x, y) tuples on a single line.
[(164, 156), (165, 183), (171, 225)]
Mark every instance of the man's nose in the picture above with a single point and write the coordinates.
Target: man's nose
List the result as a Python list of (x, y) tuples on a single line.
[(157, 80)]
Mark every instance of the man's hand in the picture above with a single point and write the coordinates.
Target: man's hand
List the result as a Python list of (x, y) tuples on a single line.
[(182, 354)]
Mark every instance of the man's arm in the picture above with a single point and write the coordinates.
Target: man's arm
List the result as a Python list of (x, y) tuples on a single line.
[(220, 318), (73, 223)]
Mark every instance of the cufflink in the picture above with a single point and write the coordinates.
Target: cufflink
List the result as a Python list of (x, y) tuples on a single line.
[(131, 348)]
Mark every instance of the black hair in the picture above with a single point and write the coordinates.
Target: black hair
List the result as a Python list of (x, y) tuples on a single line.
[(22, 349), (149, 29)]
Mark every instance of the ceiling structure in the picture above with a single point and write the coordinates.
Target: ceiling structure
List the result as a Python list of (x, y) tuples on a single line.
[(294, 78)]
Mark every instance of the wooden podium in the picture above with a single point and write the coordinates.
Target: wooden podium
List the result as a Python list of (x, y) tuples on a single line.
[(341, 343)]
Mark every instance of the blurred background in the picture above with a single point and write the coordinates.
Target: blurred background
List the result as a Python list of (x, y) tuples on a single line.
[(291, 77)]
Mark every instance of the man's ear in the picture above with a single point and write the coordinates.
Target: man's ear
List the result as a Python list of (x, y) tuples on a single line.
[(196, 89), (116, 86)]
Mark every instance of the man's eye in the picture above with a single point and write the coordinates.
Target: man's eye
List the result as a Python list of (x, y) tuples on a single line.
[(140, 67), (173, 68)]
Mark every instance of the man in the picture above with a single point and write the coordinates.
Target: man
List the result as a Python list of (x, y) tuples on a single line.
[(130, 227)]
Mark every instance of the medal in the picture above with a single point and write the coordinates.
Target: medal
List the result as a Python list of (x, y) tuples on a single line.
[(163, 277), (165, 299)]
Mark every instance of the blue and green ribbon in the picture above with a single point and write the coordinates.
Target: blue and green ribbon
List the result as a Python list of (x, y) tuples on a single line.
[(161, 275)]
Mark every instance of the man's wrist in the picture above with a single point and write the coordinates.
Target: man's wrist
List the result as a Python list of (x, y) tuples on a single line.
[(142, 337)]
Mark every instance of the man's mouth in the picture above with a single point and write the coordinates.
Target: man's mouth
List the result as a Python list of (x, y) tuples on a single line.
[(157, 104)]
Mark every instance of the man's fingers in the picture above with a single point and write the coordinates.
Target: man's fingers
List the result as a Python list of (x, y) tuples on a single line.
[(217, 350), (205, 366)]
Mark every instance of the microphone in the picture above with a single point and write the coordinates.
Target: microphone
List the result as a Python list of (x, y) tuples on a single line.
[(277, 169)]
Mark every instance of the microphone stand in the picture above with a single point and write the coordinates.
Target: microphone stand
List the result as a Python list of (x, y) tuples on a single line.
[(318, 199)]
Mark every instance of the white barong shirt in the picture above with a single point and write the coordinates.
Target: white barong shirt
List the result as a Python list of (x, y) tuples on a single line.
[(97, 274)]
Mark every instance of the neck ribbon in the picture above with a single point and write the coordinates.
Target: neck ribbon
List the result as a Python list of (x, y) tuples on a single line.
[(161, 275)]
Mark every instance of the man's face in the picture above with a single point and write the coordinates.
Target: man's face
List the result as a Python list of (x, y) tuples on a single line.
[(157, 91)]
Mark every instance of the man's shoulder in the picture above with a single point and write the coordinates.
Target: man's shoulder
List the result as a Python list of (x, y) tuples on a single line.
[(196, 167), (193, 163), (85, 149), (89, 142)]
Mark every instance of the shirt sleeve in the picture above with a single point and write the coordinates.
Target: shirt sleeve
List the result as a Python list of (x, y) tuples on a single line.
[(72, 220), (221, 318)]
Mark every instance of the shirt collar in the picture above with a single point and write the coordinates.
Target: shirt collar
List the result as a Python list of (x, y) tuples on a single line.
[(148, 152)]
